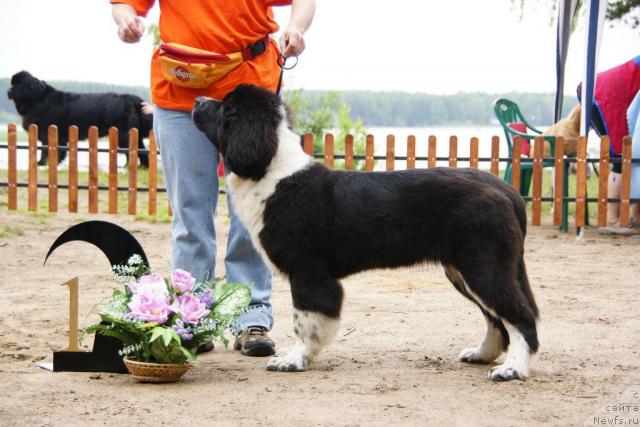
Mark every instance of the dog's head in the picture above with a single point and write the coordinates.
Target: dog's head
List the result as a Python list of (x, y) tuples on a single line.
[(25, 91), (243, 127)]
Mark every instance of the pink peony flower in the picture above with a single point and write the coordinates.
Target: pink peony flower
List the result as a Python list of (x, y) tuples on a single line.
[(182, 280), (149, 308), (190, 308), (150, 301)]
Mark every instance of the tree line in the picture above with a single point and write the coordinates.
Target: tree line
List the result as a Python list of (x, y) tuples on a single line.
[(393, 109)]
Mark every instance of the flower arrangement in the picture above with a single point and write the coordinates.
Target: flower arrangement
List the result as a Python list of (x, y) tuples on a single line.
[(165, 320)]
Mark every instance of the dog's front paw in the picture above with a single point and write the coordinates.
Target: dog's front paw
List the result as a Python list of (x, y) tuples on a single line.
[(288, 360), (281, 352), (506, 373), (477, 355)]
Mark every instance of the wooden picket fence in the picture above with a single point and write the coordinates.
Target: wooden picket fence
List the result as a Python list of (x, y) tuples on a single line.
[(559, 200)]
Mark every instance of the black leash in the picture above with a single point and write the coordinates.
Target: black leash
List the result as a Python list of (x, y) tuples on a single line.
[(282, 63)]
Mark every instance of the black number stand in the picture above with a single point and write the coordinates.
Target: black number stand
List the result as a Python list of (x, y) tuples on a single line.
[(103, 358), (118, 245)]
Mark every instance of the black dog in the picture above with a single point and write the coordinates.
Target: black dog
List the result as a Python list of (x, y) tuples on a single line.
[(316, 226), (39, 103)]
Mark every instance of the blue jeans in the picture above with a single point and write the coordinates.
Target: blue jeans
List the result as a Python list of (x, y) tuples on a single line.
[(190, 166)]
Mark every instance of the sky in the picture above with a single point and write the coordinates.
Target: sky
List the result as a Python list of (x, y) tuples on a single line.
[(426, 46)]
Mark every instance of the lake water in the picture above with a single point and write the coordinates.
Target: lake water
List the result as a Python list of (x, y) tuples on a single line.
[(442, 134)]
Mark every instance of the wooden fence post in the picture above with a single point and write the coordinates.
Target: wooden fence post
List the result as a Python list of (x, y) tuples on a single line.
[(368, 157), (625, 188), (328, 150), (113, 170), (536, 192), (473, 153), (348, 152), (391, 152), (411, 152), (308, 143), (133, 170), (52, 137), (603, 181), (33, 168), (495, 155), (453, 151), (558, 188), (515, 163), (153, 174), (431, 156), (12, 165), (93, 169), (581, 181), (73, 169)]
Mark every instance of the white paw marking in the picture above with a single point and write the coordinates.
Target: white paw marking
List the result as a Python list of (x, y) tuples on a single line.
[(476, 355), (516, 364), (282, 352), (313, 332), (488, 351), (293, 360), (504, 373)]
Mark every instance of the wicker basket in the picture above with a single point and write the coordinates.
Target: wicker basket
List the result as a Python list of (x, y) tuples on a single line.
[(155, 372)]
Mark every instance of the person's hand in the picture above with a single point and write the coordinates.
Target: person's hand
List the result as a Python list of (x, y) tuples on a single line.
[(291, 43), (130, 25)]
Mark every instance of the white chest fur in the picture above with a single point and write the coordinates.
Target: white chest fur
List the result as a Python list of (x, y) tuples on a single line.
[(249, 197)]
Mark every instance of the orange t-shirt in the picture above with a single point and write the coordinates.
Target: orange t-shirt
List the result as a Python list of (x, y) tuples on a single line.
[(218, 26)]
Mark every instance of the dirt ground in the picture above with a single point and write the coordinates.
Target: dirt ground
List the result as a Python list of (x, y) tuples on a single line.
[(394, 361)]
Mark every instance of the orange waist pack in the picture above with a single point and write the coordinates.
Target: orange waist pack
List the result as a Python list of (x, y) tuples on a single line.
[(196, 68)]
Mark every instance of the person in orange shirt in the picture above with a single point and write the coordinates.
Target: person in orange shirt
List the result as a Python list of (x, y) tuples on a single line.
[(189, 160)]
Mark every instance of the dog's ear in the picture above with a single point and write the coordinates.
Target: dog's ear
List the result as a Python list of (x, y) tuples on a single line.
[(206, 116), (249, 145)]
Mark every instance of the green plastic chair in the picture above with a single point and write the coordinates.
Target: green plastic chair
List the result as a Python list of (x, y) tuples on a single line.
[(508, 112)]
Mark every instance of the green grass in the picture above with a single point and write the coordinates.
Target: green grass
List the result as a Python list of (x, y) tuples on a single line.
[(9, 229)]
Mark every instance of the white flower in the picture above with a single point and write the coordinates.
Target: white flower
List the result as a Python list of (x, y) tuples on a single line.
[(135, 259)]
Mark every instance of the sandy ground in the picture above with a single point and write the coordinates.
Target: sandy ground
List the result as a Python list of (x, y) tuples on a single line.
[(395, 359)]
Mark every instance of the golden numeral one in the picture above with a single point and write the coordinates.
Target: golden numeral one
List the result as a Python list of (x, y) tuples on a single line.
[(73, 314)]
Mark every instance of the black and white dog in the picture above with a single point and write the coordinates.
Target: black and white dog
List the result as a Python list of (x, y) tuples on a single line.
[(316, 226)]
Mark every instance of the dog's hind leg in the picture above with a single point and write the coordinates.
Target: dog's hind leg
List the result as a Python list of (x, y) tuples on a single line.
[(142, 154), (317, 300), (501, 295), (63, 143), (495, 342), (123, 142), (496, 339)]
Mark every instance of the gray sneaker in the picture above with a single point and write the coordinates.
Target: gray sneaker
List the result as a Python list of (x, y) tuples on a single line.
[(254, 341)]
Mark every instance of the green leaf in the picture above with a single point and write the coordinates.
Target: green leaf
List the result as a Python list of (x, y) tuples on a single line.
[(189, 355), (167, 337), (156, 333), (230, 299)]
